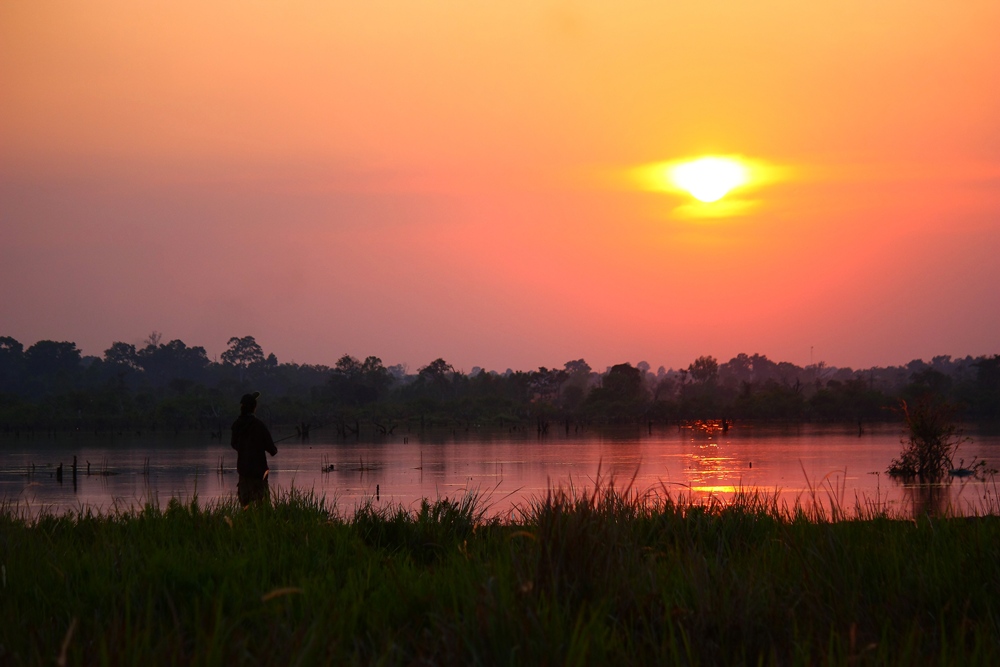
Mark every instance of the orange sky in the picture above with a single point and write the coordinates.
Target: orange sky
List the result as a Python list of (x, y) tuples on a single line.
[(415, 180)]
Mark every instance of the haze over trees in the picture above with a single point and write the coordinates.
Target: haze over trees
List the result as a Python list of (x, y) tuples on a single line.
[(169, 385)]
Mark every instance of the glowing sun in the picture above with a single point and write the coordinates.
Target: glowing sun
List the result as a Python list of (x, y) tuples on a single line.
[(721, 186), (709, 179)]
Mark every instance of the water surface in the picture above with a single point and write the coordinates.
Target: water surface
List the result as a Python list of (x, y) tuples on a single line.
[(803, 464)]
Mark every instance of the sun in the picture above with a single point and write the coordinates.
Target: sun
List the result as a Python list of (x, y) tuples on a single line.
[(709, 179), (714, 185)]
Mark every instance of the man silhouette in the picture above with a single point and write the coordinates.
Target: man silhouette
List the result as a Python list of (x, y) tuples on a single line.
[(251, 440)]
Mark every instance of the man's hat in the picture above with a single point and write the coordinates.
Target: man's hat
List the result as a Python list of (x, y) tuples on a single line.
[(249, 399)]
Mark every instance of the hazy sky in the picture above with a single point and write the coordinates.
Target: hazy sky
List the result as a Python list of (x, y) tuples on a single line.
[(416, 180)]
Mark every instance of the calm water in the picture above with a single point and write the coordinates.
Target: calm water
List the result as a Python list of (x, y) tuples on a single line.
[(508, 469)]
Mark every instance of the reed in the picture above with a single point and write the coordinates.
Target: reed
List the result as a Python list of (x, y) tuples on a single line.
[(576, 577)]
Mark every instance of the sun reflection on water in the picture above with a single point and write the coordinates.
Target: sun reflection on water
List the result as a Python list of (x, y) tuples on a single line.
[(709, 471)]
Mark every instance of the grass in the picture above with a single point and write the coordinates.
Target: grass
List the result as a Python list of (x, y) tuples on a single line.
[(591, 577)]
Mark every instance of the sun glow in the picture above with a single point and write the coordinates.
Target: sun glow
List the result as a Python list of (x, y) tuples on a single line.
[(716, 186), (709, 179)]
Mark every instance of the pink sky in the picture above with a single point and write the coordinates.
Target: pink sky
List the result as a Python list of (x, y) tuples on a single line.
[(423, 180)]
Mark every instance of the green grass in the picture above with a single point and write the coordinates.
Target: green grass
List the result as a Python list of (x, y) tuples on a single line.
[(609, 576)]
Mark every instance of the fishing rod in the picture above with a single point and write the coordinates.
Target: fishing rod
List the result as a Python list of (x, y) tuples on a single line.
[(299, 433)]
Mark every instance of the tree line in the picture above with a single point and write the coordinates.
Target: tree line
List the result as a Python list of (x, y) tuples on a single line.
[(166, 386)]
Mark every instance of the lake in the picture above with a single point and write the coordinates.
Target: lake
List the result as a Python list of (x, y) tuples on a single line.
[(508, 469)]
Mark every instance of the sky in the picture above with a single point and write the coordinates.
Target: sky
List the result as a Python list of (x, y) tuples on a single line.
[(460, 179)]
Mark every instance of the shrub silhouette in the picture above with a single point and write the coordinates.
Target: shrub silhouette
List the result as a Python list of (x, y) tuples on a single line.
[(931, 442)]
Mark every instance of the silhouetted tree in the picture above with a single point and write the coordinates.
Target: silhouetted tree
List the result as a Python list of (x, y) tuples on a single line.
[(665, 388), (704, 369), (987, 387), (577, 368), (622, 394), (545, 383), (11, 364), (576, 384), (355, 383), (433, 382), (772, 400), (47, 357), (163, 363), (624, 381), (737, 371), (244, 354), (853, 399), (51, 365), (51, 383), (928, 381), (122, 356)]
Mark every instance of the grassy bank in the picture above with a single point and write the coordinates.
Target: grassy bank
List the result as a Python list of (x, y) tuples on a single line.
[(592, 579)]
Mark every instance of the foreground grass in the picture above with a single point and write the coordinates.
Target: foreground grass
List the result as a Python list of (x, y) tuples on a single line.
[(586, 579)]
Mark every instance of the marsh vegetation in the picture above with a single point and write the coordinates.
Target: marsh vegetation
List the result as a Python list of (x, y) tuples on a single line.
[(597, 576), (931, 444)]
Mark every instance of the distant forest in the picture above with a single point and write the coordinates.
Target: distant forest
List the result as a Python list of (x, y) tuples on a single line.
[(169, 386)]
